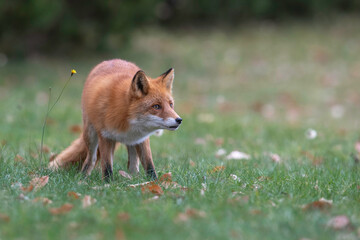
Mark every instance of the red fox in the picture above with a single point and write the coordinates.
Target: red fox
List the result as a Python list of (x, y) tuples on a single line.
[(121, 104)]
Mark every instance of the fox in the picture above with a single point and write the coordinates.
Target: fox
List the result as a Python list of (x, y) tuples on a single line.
[(121, 104)]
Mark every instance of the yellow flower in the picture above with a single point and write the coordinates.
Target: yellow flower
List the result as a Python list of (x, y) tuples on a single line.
[(73, 71)]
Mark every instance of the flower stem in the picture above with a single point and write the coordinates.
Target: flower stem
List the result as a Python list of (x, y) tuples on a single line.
[(47, 114)]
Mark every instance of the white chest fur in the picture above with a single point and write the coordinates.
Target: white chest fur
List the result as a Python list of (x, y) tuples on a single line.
[(138, 131)]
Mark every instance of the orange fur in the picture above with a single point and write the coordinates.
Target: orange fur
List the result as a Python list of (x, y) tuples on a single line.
[(121, 103)]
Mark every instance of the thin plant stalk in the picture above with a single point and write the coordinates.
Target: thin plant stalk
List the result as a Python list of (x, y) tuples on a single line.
[(49, 110)]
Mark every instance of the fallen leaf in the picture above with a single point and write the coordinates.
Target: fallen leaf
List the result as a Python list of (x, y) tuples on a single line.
[(45, 149), (220, 152), (255, 212), (152, 188), (219, 142), (192, 163), (19, 158), (236, 155), (4, 217), (188, 214), (138, 184), (217, 169), (339, 223), (125, 174), (320, 204), (61, 210), (154, 198), (44, 201), (39, 182), (74, 195), (88, 201), (123, 216), (27, 189), (75, 129), (120, 235), (314, 160), (166, 177), (274, 157)]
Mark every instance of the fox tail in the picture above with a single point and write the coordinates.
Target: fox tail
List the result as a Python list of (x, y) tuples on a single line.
[(75, 153)]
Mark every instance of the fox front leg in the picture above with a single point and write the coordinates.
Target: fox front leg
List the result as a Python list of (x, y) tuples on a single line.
[(144, 152)]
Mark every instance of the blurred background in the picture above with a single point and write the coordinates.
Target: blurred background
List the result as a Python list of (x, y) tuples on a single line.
[(293, 63), (38, 26)]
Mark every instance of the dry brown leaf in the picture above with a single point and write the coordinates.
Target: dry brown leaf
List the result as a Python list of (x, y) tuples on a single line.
[(61, 210), (255, 212), (321, 204), (120, 235), (39, 182), (314, 160), (125, 174), (152, 188), (188, 214), (166, 177), (44, 201), (123, 216), (45, 149), (73, 195), (339, 223), (27, 189), (4, 217), (138, 184), (219, 142), (192, 163), (88, 201), (19, 159), (75, 129), (217, 169), (274, 157)]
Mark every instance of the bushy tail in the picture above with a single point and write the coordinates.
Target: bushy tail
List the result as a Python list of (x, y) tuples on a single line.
[(75, 153)]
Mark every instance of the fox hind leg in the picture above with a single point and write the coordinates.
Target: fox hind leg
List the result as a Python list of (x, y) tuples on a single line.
[(133, 160), (91, 140)]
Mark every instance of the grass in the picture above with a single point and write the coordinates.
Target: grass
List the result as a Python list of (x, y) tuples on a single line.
[(257, 89)]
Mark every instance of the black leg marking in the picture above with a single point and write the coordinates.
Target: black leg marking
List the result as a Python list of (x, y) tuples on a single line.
[(150, 171), (108, 173)]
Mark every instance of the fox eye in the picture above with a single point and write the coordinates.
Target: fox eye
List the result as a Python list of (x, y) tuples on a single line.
[(157, 106), (171, 105)]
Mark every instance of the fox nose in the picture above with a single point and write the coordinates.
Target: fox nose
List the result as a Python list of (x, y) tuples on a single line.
[(178, 120)]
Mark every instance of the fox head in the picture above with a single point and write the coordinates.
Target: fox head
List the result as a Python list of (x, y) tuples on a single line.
[(151, 101)]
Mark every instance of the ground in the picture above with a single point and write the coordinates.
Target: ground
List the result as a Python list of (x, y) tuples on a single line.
[(286, 95)]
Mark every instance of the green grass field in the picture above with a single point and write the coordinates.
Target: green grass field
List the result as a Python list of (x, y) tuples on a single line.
[(257, 89)]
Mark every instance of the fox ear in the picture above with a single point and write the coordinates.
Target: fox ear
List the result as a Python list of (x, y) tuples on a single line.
[(168, 78), (140, 84)]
